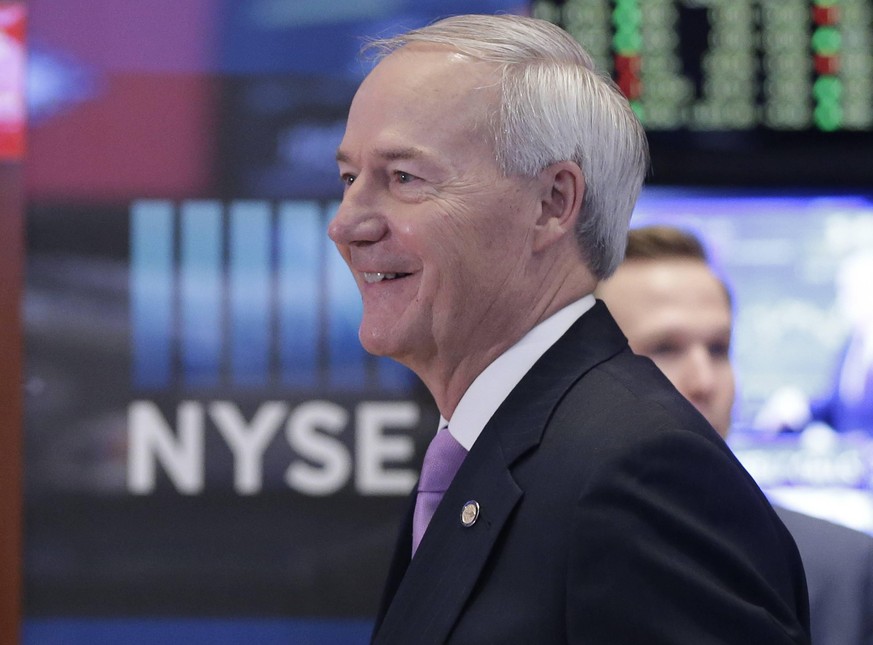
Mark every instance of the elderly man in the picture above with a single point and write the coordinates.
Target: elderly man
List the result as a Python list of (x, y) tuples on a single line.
[(570, 493), (675, 310)]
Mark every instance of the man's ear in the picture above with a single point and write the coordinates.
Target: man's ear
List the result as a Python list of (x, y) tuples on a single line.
[(562, 186)]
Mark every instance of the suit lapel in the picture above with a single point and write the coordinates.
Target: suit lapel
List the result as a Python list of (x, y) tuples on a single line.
[(439, 579), (449, 559), (399, 561)]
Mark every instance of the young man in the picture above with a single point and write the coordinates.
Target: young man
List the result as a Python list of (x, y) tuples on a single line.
[(675, 310), (570, 494)]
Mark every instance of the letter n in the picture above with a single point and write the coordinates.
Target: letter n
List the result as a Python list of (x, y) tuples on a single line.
[(151, 440)]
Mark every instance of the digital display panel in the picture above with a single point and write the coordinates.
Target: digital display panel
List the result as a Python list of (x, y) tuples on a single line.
[(739, 92), (732, 64)]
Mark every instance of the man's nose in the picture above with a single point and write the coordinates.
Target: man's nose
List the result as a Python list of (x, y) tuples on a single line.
[(699, 373), (358, 220)]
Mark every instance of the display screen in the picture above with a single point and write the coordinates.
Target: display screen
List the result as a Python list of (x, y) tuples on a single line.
[(747, 92)]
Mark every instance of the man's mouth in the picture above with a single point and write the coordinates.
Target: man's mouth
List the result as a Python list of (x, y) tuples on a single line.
[(372, 278)]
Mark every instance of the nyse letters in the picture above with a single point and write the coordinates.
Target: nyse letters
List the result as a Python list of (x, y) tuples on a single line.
[(322, 464)]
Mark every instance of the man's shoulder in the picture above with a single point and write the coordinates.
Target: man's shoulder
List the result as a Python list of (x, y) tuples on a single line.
[(623, 406), (591, 391), (631, 387), (815, 533)]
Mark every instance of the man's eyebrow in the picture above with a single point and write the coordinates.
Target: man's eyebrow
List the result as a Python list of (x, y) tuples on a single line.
[(400, 153), (388, 154)]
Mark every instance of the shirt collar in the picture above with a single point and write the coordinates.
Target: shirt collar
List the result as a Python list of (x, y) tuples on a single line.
[(494, 384)]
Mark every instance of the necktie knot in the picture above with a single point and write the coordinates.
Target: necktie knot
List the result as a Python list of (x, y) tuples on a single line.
[(441, 461)]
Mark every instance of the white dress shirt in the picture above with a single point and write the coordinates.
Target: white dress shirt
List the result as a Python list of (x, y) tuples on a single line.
[(494, 384)]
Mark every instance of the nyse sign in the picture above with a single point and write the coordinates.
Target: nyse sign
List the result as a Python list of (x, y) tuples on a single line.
[(248, 300), (313, 430)]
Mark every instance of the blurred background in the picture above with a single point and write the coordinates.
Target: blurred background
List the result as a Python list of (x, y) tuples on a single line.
[(194, 446)]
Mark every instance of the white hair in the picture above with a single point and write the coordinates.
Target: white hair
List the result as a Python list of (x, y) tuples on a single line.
[(555, 106)]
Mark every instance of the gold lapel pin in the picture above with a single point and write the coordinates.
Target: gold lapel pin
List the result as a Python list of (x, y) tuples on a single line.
[(470, 513)]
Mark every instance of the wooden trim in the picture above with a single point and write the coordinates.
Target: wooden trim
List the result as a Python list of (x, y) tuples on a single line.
[(11, 277)]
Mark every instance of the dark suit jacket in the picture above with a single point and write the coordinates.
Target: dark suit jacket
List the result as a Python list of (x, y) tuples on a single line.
[(839, 570), (611, 513)]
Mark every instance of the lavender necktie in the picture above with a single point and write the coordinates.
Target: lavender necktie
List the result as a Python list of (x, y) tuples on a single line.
[(441, 461)]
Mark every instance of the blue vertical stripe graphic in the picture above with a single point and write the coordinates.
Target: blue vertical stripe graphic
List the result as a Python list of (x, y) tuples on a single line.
[(250, 289), (201, 292), (299, 267), (253, 299), (151, 292), (345, 354)]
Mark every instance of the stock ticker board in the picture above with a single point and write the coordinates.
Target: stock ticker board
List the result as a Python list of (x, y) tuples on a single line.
[(732, 65)]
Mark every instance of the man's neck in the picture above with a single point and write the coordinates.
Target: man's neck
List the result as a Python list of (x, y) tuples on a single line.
[(449, 379)]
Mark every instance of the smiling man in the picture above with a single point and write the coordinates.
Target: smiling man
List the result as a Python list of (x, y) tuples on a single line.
[(570, 494)]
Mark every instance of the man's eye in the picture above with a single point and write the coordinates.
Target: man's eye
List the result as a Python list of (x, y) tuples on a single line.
[(403, 177), (720, 350), (665, 349), (347, 179)]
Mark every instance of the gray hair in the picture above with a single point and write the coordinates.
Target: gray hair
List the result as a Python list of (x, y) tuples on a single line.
[(555, 106)]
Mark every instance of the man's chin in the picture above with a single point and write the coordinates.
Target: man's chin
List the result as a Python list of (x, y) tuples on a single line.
[(378, 342)]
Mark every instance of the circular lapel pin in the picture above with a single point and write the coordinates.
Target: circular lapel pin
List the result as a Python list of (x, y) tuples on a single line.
[(470, 513)]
